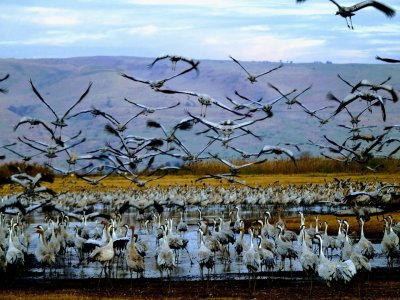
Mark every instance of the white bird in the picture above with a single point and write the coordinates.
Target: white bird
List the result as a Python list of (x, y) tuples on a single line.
[(284, 249), (267, 254), (205, 256), (156, 84), (389, 243), (240, 245), (364, 246), (104, 254), (165, 257), (253, 78), (226, 127), (252, 261), (308, 259), (174, 60), (60, 121), (376, 87), (342, 271), (135, 260), (182, 227), (14, 256), (44, 254), (270, 149)]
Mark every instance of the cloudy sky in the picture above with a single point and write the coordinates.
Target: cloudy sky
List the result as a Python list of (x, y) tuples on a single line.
[(203, 29)]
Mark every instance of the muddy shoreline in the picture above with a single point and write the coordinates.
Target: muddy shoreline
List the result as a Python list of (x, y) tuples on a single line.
[(381, 283)]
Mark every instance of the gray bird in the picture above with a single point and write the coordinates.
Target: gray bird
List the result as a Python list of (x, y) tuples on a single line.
[(349, 11)]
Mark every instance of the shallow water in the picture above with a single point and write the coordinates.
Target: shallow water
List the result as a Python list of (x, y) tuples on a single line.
[(184, 269)]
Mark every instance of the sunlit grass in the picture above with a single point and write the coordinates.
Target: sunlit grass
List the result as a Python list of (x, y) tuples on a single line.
[(309, 170)]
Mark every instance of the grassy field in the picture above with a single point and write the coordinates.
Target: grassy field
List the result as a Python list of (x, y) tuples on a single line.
[(73, 183)]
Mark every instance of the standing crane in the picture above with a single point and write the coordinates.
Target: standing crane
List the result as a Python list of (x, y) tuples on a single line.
[(252, 261)]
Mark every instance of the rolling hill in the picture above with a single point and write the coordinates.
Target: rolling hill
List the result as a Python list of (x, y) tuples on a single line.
[(62, 81)]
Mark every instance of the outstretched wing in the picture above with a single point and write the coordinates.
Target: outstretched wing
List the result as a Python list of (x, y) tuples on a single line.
[(79, 100), (388, 11), (388, 60), (239, 65), (269, 71), (41, 98)]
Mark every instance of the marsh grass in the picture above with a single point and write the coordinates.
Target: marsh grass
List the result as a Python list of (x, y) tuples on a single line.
[(309, 170), (8, 169), (305, 164)]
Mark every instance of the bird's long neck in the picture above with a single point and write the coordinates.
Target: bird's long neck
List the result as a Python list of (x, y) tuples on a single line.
[(41, 236), (110, 241), (347, 227), (106, 233), (303, 238), (302, 220), (133, 234), (326, 228), (386, 230), (10, 237), (201, 238), (321, 252), (260, 238), (362, 229), (280, 234)]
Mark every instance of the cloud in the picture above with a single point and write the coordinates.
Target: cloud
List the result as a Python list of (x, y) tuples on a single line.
[(382, 29), (254, 28), (149, 30), (195, 3), (352, 55), (57, 38), (144, 30), (249, 29), (262, 47), (51, 16)]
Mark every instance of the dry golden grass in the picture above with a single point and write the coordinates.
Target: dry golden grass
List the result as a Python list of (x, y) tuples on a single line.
[(305, 164), (72, 183), (116, 182)]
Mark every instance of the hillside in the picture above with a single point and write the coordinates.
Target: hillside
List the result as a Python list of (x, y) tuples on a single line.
[(62, 81)]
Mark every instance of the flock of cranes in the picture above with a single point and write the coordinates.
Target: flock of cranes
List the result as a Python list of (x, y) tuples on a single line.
[(202, 228), (104, 227), (131, 156)]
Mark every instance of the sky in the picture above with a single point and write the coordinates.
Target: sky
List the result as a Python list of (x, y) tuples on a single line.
[(207, 29)]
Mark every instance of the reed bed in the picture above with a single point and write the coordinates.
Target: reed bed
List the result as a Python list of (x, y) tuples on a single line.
[(305, 164), (309, 170)]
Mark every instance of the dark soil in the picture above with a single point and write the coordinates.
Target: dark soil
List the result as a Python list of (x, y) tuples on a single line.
[(381, 284)]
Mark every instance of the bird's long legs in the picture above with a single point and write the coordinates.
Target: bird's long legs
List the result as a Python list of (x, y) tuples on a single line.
[(349, 23)]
